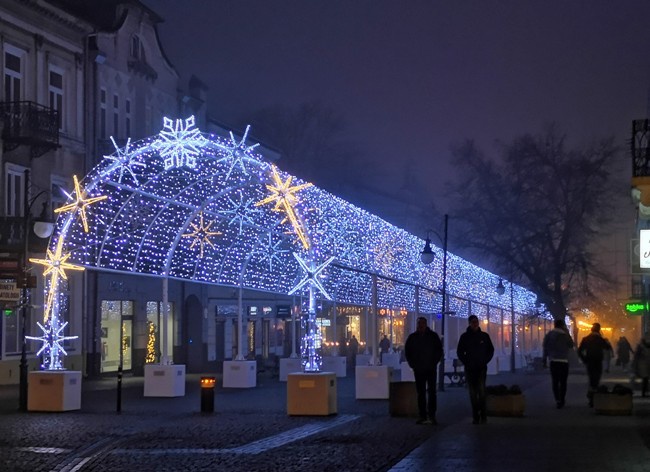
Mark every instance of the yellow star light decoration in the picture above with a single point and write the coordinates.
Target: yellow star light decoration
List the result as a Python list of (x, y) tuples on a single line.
[(56, 265), (201, 234), (283, 195), (80, 203)]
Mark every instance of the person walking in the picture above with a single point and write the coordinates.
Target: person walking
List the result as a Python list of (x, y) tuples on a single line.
[(354, 350), (642, 362), (623, 351), (384, 347), (557, 344), (423, 351), (475, 351), (591, 351)]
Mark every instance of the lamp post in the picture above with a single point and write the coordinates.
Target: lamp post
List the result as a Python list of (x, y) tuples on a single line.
[(427, 257), (43, 229), (501, 289)]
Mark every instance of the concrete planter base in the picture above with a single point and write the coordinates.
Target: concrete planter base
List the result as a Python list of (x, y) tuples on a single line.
[(612, 404), (505, 405)]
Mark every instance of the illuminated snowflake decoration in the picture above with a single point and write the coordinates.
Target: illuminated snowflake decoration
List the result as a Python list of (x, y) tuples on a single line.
[(52, 347), (312, 273), (124, 160), (270, 251), (179, 143), (239, 153), (201, 234)]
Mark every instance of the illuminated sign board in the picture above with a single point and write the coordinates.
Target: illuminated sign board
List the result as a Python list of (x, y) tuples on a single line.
[(636, 307)]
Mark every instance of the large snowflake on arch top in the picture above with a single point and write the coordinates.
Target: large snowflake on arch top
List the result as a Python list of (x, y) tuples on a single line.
[(179, 143)]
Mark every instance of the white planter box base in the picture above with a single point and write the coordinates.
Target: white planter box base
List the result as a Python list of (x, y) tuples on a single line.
[(372, 382), (289, 365), (54, 390), (336, 364), (164, 380), (239, 374), (407, 373)]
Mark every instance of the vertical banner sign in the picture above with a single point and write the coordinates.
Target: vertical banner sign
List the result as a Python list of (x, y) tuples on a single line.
[(644, 248)]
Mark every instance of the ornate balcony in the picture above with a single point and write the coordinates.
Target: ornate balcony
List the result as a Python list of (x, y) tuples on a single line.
[(29, 124)]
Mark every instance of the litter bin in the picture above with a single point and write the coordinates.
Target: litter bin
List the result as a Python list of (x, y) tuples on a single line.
[(207, 394)]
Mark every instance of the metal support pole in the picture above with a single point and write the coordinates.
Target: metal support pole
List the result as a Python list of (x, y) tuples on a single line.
[(512, 329), (441, 373), (22, 400)]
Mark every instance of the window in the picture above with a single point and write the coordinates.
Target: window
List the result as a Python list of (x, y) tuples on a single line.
[(14, 190), (102, 113), (13, 73), (116, 334), (116, 116), (127, 120), (135, 46), (56, 93), (154, 331)]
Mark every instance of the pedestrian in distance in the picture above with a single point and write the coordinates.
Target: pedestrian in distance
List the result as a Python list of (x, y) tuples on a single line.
[(475, 351), (592, 351), (607, 355), (423, 351), (353, 347), (557, 345), (384, 347), (642, 362), (623, 351)]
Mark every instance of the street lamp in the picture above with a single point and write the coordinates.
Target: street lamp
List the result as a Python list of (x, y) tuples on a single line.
[(43, 229), (427, 256), (501, 289)]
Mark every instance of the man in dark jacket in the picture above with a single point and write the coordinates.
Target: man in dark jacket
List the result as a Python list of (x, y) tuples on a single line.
[(591, 351), (475, 351), (423, 351), (557, 345)]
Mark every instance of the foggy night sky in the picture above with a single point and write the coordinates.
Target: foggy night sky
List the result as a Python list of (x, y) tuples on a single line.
[(412, 77)]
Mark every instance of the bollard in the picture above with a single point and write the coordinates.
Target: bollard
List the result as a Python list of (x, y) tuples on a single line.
[(207, 394)]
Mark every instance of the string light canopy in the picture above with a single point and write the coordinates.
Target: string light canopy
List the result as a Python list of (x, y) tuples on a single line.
[(189, 205)]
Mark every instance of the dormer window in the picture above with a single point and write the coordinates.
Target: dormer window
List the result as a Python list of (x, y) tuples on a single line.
[(136, 47)]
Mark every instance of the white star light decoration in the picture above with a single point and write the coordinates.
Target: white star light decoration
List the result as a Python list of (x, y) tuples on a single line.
[(179, 143), (238, 153), (270, 251), (241, 211), (52, 339), (312, 272), (125, 160), (285, 200), (201, 234)]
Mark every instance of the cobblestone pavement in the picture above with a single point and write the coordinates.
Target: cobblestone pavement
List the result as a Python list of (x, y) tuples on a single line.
[(251, 431)]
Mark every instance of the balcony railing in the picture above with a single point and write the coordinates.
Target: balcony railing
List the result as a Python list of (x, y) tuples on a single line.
[(29, 124)]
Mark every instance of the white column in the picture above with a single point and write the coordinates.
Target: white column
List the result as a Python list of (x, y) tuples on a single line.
[(165, 312)]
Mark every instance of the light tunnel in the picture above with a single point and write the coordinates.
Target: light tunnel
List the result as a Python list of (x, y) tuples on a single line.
[(194, 206)]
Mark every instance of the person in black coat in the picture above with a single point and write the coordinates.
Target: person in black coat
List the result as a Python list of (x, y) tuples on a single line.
[(591, 351), (423, 351), (475, 351)]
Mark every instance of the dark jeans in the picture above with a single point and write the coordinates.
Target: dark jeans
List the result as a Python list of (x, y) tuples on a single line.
[(559, 376), (476, 386), (594, 372), (426, 380)]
